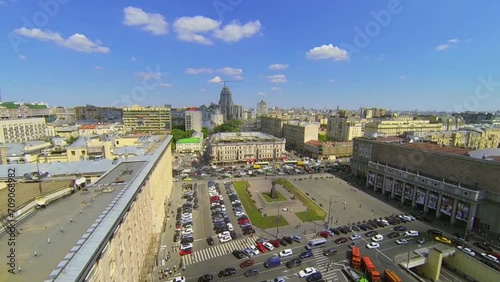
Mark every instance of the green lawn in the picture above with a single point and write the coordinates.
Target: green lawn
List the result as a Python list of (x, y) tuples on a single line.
[(267, 197), (314, 213), (252, 211)]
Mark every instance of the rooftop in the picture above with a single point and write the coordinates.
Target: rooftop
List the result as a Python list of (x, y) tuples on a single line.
[(20, 149), (438, 148), (486, 154), (234, 137), (188, 140)]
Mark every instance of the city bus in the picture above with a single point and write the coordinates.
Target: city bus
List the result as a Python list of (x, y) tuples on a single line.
[(290, 162), (261, 163)]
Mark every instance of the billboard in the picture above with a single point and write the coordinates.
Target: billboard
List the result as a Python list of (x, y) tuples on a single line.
[(371, 179), (433, 200), (462, 211), (388, 184), (398, 186), (446, 205), (409, 192), (420, 196)]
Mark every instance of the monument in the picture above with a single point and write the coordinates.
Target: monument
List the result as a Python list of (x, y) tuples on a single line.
[(274, 195)]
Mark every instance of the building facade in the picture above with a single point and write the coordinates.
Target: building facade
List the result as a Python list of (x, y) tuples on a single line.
[(244, 147), (327, 150), (98, 114), (298, 133), (14, 110), (147, 119), (226, 104), (272, 125), (262, 108), (471, 138), (193, 120), (396, 127), (344, 129), (22, 130), (443, 181), (188, 145)]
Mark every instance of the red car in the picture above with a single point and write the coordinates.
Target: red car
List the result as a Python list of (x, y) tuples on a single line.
[(323, 234), (243, 221), (275, 243), (261, 248), (247, 263), (341, 240), (186, 252)]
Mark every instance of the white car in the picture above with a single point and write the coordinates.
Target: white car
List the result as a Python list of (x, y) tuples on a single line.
[(254, 249), (224, 234), (401, 242), (286, 253), (225, 239), (467, 251), (490, 257), (268, 246), (187, 231), (373, 245), (179, 279), (411, 233), (186, 246), (378, 238), (355, 236), (307, 271), (230, 227)]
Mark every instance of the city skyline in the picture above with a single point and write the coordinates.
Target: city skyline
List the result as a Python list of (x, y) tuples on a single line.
[(60, 55)]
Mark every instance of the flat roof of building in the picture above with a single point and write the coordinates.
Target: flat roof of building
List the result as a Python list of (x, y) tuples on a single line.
[(233, 137), (188, 140), (438, 148)]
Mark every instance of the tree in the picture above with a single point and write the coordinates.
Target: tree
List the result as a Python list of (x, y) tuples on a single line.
[(71, 140), (205, 132), (322, 138), (229, 126)]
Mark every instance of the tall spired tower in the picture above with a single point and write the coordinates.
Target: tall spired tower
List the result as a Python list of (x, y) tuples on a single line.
[(226, 104)]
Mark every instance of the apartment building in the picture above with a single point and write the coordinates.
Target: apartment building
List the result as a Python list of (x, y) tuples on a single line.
[(471, 138), (297, 133), (147, 119), (245, 147), (272, 124), (14, 110), (98, 114), (188, 145), (396, 127), (22, 130), (89, 148), (327, 150), (262, 108), (344, 129), (193, 120)]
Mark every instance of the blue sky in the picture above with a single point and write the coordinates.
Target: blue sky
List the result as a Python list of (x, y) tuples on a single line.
[(440, 55)]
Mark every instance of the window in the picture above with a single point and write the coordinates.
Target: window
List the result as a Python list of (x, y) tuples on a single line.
[(73, 153)]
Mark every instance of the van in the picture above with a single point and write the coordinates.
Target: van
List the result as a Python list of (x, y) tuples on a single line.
[(316, 243)]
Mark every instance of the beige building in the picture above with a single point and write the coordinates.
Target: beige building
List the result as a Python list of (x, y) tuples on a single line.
[(396, 127), (100, 129), (11, 110), (245, 147), (147, 119), (298, 133), (471, 138), (186, 145), (89, 148), (193, 121), (328, 150), (344, 129), (22, 130), (65, 131), (98, 114), (272, 125)]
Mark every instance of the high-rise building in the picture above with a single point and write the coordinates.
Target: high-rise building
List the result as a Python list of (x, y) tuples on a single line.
[(344, 129), (262, 108), (147, 119), (226, 104), (193, 120), (22, 130)]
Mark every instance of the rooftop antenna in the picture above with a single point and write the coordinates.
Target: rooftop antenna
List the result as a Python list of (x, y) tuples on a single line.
[(224, 81)]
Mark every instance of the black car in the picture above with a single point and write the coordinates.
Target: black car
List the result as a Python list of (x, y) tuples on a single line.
[(185, 240), (363, 227), (399, 228), (210, 241), (314, 277), (206, 278), (306, 254), (248, 231), (233, 235), (283, 242), (238, 254), (242, 217), (393, 235), (177, 237), (251, 272), (483, 246), (435, 232), (227, 272), (288, 239), (293, 262)]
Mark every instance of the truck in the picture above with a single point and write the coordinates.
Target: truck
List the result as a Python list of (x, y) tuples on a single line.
[(272, 262), (391, 276), (369, 267), (355, 258)]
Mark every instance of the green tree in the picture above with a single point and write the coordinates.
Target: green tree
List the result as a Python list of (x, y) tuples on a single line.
[(71, 140), (205, 132), (322, 138), (229, 126)]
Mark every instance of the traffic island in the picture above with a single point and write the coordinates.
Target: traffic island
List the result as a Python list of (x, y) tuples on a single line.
[(313, 212)]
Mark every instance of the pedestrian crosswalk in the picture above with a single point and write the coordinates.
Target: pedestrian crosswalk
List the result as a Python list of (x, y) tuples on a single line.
[(217, 250), (327, 267)]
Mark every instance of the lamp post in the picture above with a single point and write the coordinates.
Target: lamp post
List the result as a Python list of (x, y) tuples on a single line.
[(330, 212)]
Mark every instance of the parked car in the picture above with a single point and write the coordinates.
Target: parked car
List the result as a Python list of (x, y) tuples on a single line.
[(251, 272), (238, 254), (210, 241), (341, 240)]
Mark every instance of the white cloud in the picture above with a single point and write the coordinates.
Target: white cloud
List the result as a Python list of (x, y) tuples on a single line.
[(277, 78), (151, 22), (198, 71), (326, 52), (278, 67), (149, 75), (230, 71), (275, 88), (190, 29), (235, 31), (261, 94), (454, 41), (164, 85), (216, 79), (77, 42), (98, 67), (133, 59), (22, 57), (442, 47)]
